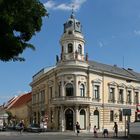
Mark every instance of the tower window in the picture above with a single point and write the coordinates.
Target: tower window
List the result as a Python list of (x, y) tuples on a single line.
[(70, 48), (79, 49), (70, 32)]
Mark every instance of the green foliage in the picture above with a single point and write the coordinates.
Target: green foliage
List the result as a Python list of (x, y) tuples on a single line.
[(10, 116), (19, 21)]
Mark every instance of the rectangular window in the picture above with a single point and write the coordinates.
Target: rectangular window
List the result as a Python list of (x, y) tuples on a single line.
[(111, 115), (33, 99), (120, 116), (120, 96), (96, 92), (129, 96), (43, 96), (50, 91), (136, 98), (111, 94), (59, 90)]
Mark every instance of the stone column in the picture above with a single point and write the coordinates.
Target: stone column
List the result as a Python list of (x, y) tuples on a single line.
[(62, 119), (62, 87), (132, 96), (124, 95), (76, 86), (76, 115)]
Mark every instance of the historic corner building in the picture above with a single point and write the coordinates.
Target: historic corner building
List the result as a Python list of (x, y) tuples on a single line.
[(77, 89)]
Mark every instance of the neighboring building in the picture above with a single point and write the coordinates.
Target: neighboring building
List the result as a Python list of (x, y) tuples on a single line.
[(3, 117), (77, 89), (20, 108)]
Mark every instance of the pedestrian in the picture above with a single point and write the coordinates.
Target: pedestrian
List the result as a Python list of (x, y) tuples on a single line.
[(21, 124), (95, 131), (105, 132), (115, 129), (77, 128)]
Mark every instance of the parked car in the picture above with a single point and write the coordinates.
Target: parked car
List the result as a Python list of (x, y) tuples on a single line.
[(2, 128), (17, 127), (34, 128)]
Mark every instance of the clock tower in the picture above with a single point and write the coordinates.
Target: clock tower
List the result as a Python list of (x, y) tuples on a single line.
[(72, 41)]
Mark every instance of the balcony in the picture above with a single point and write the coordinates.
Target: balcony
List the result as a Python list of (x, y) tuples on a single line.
[(71, 100), (120, 101)]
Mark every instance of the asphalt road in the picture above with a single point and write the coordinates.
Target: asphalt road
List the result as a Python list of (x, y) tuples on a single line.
[(50, 136)]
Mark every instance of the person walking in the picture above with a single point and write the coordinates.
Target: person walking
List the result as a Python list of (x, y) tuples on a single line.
[(21, 124), (77, 128), (95, 131), (116, 129)]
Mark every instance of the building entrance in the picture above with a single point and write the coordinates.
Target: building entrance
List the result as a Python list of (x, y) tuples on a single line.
[(69, 119)]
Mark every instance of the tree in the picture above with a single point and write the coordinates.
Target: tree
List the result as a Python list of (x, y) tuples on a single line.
[(19, 21)]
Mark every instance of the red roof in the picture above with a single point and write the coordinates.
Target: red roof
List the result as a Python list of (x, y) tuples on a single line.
[(23, 99)]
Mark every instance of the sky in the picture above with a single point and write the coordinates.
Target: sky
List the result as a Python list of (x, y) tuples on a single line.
[(112, 33)]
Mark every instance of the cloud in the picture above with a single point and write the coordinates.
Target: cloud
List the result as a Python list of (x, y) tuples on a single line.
[(137, 32), (101, 44), (76, 4), (49, 4)]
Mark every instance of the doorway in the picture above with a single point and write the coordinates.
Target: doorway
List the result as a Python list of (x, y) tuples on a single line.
[(69, 119)]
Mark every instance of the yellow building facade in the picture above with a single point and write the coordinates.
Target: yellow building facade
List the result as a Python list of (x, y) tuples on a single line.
[(77, 89)]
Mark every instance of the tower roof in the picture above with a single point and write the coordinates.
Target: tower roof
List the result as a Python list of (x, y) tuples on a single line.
[(72, 24)]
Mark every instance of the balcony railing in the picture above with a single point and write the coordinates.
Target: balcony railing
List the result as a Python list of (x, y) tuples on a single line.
[(121, 101), (71, 100), (111, 100)]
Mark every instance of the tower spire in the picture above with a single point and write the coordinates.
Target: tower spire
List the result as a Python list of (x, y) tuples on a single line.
[(72, 12)]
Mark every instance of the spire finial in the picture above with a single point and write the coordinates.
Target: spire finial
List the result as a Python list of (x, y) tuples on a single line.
[(72, 13)]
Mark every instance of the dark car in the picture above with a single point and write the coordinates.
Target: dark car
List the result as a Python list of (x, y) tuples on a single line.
[(2, 128), (34, 128)]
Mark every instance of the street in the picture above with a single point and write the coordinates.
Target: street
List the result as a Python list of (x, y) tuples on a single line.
[(50, 136)]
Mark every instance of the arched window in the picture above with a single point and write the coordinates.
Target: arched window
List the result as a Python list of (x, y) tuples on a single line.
[(82, 90), (69, 89), (79, 49), (70, 48)]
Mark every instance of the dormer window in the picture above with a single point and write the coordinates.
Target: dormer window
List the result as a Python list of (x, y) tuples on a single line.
[(70, 48), (79, 49)]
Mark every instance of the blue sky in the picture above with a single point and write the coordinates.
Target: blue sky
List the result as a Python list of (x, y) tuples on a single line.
[(111, 29)]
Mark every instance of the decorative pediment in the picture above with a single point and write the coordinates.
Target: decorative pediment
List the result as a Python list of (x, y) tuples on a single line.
[(96, 81), (130, 87), (112, 83), (50, 82), (121, 85), (137, 88)]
